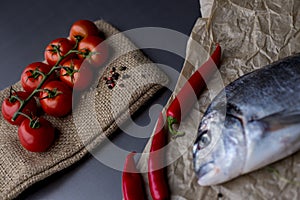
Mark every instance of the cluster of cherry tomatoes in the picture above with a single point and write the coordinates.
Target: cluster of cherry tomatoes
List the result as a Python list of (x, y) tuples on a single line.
[(69, 64)]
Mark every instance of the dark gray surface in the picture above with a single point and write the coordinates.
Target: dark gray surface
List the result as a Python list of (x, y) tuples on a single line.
[(28, 26)]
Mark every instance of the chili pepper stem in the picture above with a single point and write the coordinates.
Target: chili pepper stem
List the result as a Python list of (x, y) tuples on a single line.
[(183, 102), (171, 121)]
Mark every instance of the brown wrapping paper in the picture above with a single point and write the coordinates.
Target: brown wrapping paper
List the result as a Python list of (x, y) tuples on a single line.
[(252, 34)]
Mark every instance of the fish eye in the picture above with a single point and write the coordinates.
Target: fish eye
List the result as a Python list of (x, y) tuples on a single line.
[(204, 140)]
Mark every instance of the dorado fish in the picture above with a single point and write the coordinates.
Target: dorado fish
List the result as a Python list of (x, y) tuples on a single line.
[(252, 122)]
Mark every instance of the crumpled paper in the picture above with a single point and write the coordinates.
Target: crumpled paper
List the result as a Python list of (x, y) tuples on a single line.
[(252, 34), (205, 7)]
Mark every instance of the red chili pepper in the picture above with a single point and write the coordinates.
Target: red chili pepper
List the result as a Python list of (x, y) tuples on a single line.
[(132, 181), (184, 100), (157, 177)]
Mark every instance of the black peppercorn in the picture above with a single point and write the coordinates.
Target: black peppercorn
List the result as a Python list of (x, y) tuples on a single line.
[(220, 195), (115, 76)]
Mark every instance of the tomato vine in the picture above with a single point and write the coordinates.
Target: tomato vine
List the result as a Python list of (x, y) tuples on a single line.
[(45, 77)]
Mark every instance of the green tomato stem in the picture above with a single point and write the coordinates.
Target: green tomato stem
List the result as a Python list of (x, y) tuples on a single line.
[(34, 123), (45, 77)]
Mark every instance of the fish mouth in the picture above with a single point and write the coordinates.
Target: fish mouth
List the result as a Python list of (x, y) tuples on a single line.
[(206, 172)]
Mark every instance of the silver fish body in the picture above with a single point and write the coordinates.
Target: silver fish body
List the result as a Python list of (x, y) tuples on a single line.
[(253, 122)]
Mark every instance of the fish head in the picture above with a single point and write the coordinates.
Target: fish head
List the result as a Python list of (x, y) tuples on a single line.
[(219, 150)]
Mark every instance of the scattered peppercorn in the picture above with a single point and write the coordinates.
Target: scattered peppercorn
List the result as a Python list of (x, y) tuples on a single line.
[(111, 86), (116, 76), (110, 81), (122, 68)]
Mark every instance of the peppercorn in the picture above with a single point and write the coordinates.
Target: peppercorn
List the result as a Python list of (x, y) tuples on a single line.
[(115, 76), (111, 86), (109, 81), (122, 68)]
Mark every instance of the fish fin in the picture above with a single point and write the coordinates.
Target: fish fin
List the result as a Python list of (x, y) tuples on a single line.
[(281, 120), (280, 132)]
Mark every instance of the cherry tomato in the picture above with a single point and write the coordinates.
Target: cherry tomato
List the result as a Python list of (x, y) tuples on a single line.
[(11, 105), (37, 135), (76, 74), (56, 99), (31, 76), (91, 49), (83, 28), (57, 48)]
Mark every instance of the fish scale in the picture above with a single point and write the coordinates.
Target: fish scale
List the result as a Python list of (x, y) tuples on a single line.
[(253, 122), (264, 82)]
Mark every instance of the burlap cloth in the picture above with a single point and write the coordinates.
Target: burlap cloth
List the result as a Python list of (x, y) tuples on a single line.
[(96, 115), (252, 34)]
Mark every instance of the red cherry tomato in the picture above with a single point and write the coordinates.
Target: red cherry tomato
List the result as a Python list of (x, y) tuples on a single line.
[(57, 48), (11, 105), (83, 28), (76, 74), (36, 136), (56, 99), (93, 50), (31, 76)]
